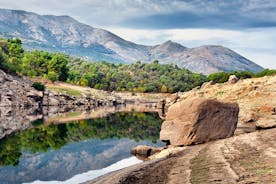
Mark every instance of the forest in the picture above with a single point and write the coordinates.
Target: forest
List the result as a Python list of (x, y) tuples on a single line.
[(136, 77)]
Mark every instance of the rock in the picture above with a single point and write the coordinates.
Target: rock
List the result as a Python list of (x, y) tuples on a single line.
[(143, 151), (165, 153), (207, 84), (199, 120), (264, 123), (17, 92), (233, 79)]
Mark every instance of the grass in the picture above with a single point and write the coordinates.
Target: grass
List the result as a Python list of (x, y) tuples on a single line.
[(255, 165), (70, 92), (264, 171), (219, 93), (199, 171), (73, 114)]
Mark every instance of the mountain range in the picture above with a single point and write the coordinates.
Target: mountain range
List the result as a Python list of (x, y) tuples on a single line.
[(65, 34)]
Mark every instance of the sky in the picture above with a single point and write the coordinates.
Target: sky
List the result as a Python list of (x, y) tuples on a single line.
[(245, 26)]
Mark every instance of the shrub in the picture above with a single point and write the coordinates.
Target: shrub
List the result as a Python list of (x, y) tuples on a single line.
[(38, 86)]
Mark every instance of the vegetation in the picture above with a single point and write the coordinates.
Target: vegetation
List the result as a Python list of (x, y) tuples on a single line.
[(221, 77), (38, 86), (137, 77), (41, 138), (70, 92)]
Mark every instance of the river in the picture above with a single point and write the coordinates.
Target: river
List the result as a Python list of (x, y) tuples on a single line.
[(64, 149)]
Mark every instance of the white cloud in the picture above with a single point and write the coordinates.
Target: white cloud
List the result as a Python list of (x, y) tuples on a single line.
[(259, 45)]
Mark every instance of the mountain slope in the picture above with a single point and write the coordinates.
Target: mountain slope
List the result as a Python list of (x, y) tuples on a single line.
[(65, 34)]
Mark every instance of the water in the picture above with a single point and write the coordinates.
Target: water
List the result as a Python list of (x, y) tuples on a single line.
[(75, 151)]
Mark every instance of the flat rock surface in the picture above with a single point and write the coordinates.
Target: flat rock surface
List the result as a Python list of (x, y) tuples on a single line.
[(247, 158)]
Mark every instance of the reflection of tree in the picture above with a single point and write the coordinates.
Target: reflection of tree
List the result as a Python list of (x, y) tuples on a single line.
[(137, 126)]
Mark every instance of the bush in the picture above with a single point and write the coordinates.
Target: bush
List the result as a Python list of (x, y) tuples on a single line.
[(52, 76), (219, 77), (38, 86)]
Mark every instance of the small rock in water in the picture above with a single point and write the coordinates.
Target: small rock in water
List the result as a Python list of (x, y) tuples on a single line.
[(143, 152)]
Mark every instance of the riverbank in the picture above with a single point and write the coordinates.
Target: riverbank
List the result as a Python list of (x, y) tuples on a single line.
[(244, 158), (21, 104), (247, 157)]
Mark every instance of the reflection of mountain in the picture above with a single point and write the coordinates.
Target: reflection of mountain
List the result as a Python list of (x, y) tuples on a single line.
[(25, 150), (70, 160), (136, 126)]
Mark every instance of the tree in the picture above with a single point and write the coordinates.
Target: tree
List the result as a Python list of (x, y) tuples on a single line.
[(58, 65), (164, 89), (52, 76)]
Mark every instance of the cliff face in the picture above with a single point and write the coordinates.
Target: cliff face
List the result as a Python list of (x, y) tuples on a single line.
[(15, 91)]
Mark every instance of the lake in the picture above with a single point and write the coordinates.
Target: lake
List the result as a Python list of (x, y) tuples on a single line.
[(75, 151)]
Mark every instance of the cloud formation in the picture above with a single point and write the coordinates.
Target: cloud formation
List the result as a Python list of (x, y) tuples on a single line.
[(159, 14), (246, 26)]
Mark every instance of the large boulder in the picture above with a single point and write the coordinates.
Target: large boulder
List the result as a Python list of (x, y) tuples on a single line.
[(199, 120)]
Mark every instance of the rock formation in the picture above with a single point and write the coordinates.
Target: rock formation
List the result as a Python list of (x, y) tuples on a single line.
[(15, 91), (199, 120), (233, 79)]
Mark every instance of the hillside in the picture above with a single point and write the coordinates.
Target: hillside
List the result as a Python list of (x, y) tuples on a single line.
[(65, 34)]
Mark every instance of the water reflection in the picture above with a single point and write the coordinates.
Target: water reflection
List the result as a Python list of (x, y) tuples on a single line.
[(60, 151)]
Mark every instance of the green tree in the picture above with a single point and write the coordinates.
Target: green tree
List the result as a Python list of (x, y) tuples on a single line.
[(164, 89), (58, 65), (53, 76)]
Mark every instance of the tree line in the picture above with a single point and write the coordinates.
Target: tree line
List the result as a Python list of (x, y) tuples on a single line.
[(136, 77)]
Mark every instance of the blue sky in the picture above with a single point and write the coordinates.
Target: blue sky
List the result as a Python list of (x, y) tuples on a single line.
[(246, 26)]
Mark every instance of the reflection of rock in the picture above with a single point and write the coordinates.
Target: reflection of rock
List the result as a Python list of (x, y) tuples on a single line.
[(14, 119), (196, 121), (55, 114)]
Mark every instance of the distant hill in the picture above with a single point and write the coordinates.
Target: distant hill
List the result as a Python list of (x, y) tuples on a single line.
[(65, 34)]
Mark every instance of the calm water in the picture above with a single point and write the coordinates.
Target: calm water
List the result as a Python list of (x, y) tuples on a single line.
[(76, 150)]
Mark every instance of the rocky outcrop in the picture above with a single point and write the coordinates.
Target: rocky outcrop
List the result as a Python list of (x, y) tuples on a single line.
[(247, 158), (17, 92), (143, 151), (233, 79), (255, 96), (199, 120), (51, 98)]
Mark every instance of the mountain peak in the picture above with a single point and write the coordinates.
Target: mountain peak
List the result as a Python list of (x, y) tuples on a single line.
[(169, 46), (65, 34)]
